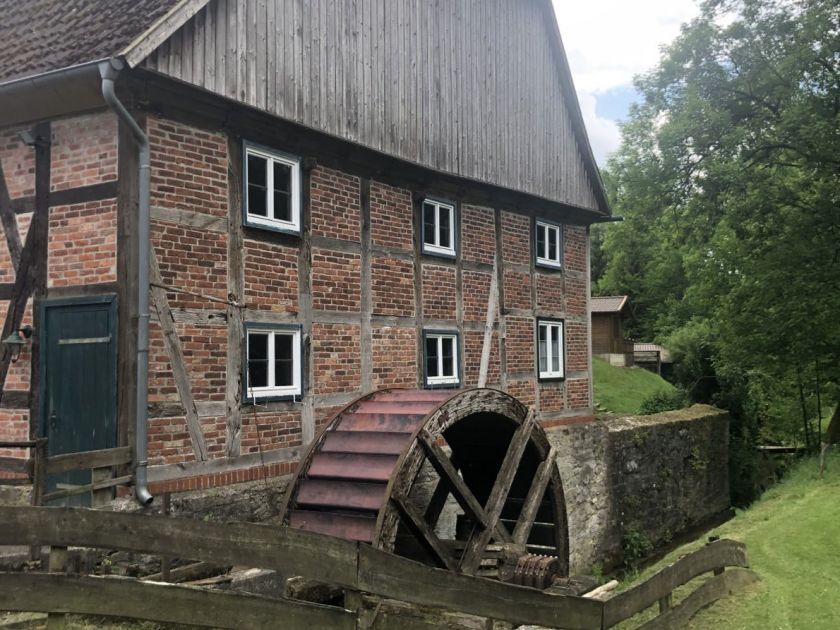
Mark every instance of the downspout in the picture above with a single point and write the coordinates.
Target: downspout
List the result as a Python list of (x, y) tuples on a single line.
[(109, 71)]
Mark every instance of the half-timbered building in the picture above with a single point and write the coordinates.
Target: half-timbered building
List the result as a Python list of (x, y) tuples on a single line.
[(338, 196)]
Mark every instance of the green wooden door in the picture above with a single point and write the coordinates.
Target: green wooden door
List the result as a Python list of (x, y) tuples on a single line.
[(79, 404)]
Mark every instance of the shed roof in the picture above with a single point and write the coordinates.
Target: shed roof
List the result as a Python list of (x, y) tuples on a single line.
[(664, 354), (38, 36), (609, 304)]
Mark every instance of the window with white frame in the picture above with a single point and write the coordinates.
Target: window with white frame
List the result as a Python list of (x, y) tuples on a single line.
[(438, 228), (549, 245), (550, 349), (272, 190), (441, 357), (273, 356)]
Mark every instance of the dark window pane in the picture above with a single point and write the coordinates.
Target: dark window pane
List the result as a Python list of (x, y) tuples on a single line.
[(553, 233), (257, 346), (256, 201), (283, 360), (282, 206), (428, 224), (448, 351), (445, 228), (540, 241), (256, 170), (282, 177), (431, 357), (543, 330)]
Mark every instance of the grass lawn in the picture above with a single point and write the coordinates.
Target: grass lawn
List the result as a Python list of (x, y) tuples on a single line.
[(793, 542), (622, 390)]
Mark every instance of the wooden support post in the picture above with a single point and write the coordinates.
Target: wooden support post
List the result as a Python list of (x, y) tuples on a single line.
[(39, 483), (481, 536), (176, 358), (492, 307), (665, 602), (10, 226), (236, 293), (58, 564), (102, 496), (534, 498)]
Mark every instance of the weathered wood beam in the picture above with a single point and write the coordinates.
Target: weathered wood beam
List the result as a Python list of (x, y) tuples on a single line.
[(10, 226), (493, 508), (492, 308), (88, 459), (236, 292), (34, 250), (165, 603), (423, 533), (532, 502), (463, 495), (176, 359), (69, 196)]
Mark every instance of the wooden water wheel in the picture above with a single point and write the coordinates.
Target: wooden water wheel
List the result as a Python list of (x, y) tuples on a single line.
[(395, 467)]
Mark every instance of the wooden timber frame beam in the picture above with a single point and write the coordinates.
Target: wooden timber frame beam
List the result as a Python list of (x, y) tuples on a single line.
[(31, 270), (480, 536), (175, 352)]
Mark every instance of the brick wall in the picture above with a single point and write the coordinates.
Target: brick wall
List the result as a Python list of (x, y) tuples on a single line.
[(394, 357), (271, 282), (82, 247), (336, 281), (392, 286), (390, 216), (336, 356), (439, 291), (84, 151), (335, 205)]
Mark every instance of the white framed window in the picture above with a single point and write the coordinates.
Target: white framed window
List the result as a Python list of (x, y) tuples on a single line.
[(272, 189), (551, 349), (549, 245), (272, 360), (438, 228), (441, 358)]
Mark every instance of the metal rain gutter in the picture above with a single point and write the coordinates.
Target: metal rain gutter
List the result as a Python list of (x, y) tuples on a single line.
[(109, 71)]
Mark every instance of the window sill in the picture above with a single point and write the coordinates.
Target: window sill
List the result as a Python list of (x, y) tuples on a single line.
[(271, 226), (548, 264), (430, 250)]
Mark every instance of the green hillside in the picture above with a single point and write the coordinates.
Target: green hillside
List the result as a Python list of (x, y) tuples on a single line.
[(791, 535), (622, 390)]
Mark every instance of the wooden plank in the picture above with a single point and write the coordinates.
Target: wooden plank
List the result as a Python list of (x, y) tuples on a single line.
[(176, 358), (10, 226), (504, 479), (394, 577), (722, 553), (16, 465), (709, 592), (492, 309), (88, 459), (534, 498), (17, 444), (191, 219), (160, 31), (463, 495), (165, 603), (91, 487), (290, 551), (235, 314), (423, 533)]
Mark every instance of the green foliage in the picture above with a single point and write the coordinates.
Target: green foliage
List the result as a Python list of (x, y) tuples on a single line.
[(636, 546), (662, 400), (729, 179), (623, 390)]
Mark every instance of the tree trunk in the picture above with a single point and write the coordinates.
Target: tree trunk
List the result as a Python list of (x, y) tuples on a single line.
[(832, 436)]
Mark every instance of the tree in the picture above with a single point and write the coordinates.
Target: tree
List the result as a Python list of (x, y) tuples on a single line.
[(729, 178)]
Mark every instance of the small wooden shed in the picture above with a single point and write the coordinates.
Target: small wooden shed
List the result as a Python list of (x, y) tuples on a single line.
[(608, 340)]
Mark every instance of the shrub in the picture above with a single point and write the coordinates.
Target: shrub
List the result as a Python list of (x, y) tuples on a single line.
[(663, 400)]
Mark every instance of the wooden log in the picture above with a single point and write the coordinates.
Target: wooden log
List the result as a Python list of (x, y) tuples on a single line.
[(290, 551), (88, 459), (708, 593), (91, 487), (423, 533), (603, 591), (492, 308), (17, 444), (235, 314), (312, 591), (463, 495), (176, 359), (163, 603), (714, 555), (535, 496), (16, 465), (187, 573), (504, 479), (391, 576)]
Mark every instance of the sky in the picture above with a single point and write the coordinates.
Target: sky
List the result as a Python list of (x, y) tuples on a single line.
[(608, 42)]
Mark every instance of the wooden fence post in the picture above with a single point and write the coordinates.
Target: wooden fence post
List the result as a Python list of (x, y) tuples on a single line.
[(39, 482), (102, 496), (165, 561), (58, 564)]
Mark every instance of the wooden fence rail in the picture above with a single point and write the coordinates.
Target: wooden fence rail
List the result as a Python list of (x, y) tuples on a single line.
[(352, 566)]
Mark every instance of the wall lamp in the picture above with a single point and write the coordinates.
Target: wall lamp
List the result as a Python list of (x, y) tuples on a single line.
[(17, 340)]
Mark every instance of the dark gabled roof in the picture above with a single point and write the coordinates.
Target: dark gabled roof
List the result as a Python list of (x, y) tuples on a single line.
[(37, 36), (609, 304)]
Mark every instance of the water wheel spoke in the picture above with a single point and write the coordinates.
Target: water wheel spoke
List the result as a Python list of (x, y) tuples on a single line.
[(438, 500), (424, 534), (455, 484), (480, 536), (534, 498)]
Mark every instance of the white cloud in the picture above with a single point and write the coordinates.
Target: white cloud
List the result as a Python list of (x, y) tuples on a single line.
[(608, 42), (604, 135)]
